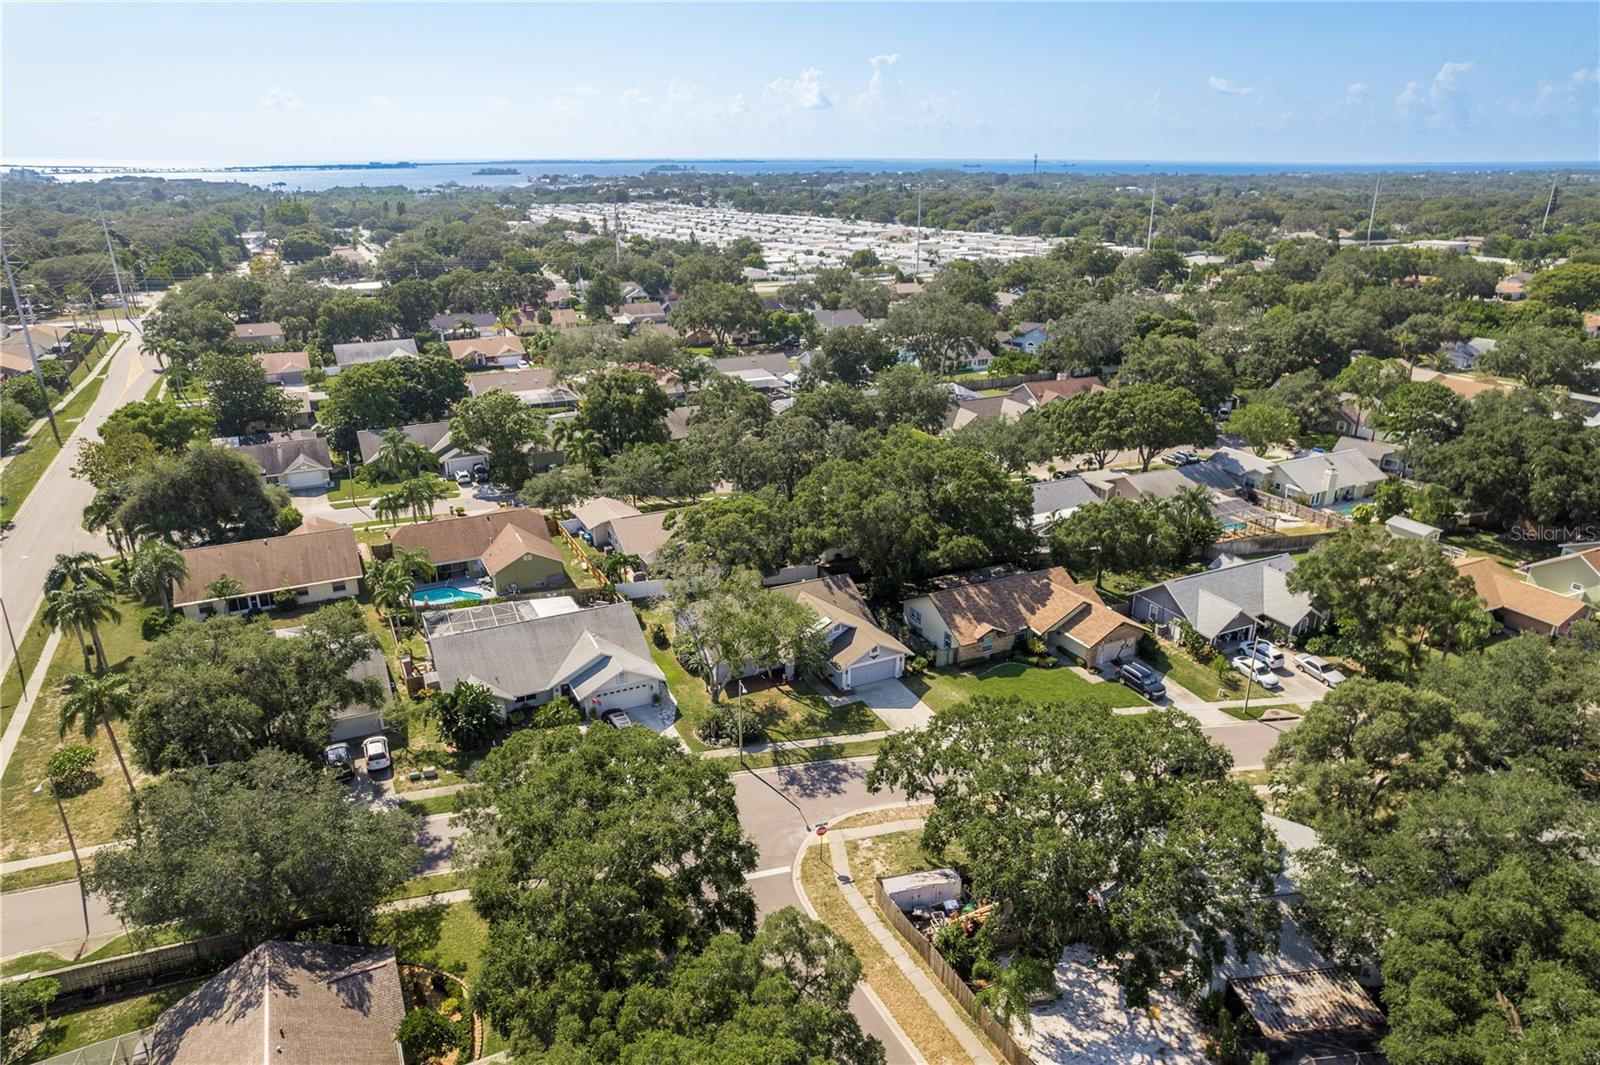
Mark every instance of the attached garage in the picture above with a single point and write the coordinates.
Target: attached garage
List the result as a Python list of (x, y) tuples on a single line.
[(1120, 641), (871, 671), (624, 697), (304, 480)]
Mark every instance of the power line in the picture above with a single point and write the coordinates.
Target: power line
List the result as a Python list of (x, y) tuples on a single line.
[(33, 356)]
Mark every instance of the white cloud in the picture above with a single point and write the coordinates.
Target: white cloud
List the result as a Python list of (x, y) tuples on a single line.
[(879, 62), (1228, 88), (805, 92), (680, 93), (1581, 78), (499, 103), (1358, 92), (1438, 105), (278, 96)]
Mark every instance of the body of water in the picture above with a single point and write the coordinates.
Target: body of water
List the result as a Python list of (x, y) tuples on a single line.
[(557, 171)]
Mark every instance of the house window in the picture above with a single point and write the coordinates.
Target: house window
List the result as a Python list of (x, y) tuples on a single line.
[(338, 586), (914, 615), (238, 603), (947, 639), (302, 591), (988, 644)]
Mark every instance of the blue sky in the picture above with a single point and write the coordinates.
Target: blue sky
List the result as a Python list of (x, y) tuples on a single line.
[(238, 84)]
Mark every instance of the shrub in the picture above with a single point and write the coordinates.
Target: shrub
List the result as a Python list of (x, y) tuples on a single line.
[(467, 715), (155, 623), (71, 770), (1036, 646), (722, 726), (688, 658), (917, 664), (658, 635), (1148, 647), (427, 1036), (557, 712), (285, 599), (1198, 647)]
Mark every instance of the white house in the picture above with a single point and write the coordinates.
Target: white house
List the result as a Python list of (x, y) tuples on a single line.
[(1323, 479)]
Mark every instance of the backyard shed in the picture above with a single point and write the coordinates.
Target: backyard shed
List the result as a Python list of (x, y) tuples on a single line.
[(924, 890)]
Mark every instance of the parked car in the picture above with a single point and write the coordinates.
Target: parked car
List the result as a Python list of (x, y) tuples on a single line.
[(617, 719), (376, 748), (1183, 458), (1319, 669), (1142, 679), (1265, 652), (1258, 672), (464, 478), (338, 760), (480, 473)]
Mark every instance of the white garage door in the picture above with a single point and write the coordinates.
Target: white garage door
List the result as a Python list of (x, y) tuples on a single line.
[(623, 698), (305, 479), (864, 673)]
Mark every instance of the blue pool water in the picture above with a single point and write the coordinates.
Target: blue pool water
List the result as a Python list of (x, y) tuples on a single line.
[(1233, 526), (1345, 507), (444, 596)]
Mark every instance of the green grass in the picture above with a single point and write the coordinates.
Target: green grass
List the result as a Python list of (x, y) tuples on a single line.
[(417, 887), (43, 875), (1198, 680), (85, 1027), (451, 937), (1510, 552), (31, 646), (1256, 710), (943, 688), (794, 712), (580, 577), (827, 752), (154, 392), (432, 805), (127, 943), (25, 468)]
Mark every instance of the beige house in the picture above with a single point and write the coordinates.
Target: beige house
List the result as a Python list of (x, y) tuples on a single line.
[(983, 619), (258, 333), (504, 352), (1518, 605), (1575, 574), (859, 651), (512, 547), (318, 562)]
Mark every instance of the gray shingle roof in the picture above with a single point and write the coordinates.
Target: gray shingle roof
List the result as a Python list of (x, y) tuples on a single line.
[(1213, 600), (1349, 467), (517, 654), (1052, 496), (277, 456), (372, 351)]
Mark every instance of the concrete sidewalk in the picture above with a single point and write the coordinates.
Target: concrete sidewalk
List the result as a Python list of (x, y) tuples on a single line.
[(790, 745)]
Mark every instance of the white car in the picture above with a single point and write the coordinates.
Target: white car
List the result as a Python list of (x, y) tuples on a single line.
[(376, 748), (464, 478), (1265, 652), (1257, 672), (1319, 669)]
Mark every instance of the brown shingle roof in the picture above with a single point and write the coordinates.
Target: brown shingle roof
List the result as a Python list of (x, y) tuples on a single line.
[(463, 539), (315, 553), (251, 330), (485, 348), (1045, 391), (289, 1004), (1042, 600), (641, 534), (836, 598), (1501, 589), (276, 362)]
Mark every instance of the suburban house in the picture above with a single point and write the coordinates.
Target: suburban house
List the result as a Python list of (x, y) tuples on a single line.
[(1037, 393), (47, 340), (640, 535), (1245, 468), (1518, 605), (1056, 499), (318, 562), (298, 461), (285, 367), (977, 619), (290, 1004), (839, 319), (859, 652), (632, 314), (358, 720), (435, 437), (370, 351), (1231, 601), (526, 655), (488, 351), (771, 365), (1385, 454), (963, 411), (1322, 479), (454, 326), (1463, 353), (258, 333), (536, 387), (512, 547), (1465, 387), (1513, 286), (1575, 574), (594, 516), (1024, 336), (1157, 484)]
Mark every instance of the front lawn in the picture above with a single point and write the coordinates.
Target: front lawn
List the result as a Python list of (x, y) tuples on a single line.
[(943, 688), (451, 937), (1256, 710), (1198, 680), (788, 712)]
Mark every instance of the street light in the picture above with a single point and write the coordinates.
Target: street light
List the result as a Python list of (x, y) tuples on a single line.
[(83, 894)]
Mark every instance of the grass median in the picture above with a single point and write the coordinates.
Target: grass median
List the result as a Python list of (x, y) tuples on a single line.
[(22, 473)]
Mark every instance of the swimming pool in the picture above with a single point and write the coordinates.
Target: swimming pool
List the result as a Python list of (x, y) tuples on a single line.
[(445, 595), (1345, 507)]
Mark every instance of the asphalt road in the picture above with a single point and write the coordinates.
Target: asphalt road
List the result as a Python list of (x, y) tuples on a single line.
[(50, 521)]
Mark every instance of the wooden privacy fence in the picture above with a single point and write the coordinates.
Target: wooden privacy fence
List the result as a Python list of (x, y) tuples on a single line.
[(110, 977), (1331, 519), (1266, 543), (998, 1034)]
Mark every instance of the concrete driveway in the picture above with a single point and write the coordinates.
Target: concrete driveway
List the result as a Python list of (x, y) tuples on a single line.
[(895, 703)]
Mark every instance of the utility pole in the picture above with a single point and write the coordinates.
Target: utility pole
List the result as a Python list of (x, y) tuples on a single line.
[(918, 268), (1373, 214), (1551, 202), (27, 337), (1150, 230), (616, 231), (127, 312)]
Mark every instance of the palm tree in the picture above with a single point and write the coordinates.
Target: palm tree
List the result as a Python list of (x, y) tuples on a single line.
[(225, 587), (92, 701), (82, 607), (101, 514), (79, 568), (390, 505), (156, 567), (58, 614), (413, 563), (421, 493), (398, 456), (392, 587), (179, 376), (579, 445)]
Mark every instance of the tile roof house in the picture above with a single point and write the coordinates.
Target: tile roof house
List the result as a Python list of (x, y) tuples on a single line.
[(1226, 604), (284, 367), (289, 1004), (981, 619), (859, 651), (597, 656), (370, 351), (488, 351), (295, 461), (1575, 574), (1056, 499), (435, 437), (258, 333), (318, 562), (1325, 478), (512, 547), (1518, 605)]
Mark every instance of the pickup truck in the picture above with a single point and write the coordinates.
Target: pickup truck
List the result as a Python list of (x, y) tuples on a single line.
[(1318, 669)]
